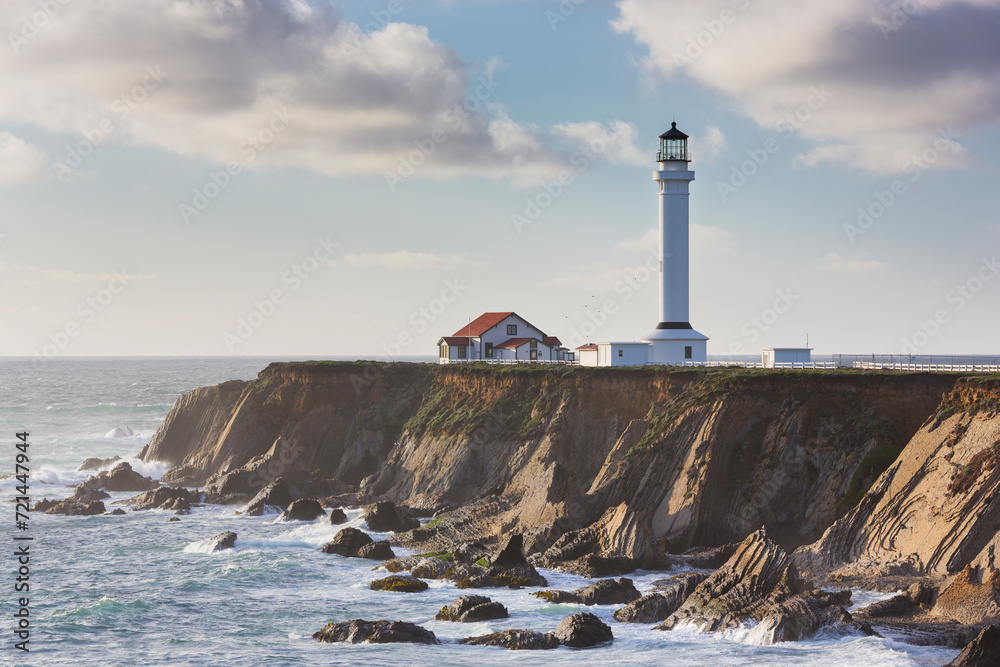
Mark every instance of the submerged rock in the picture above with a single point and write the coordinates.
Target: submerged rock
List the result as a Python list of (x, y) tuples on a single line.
[(472, 609), (275, 494), (222, 541), (375, 632), (348, 542), (605, 591), (661, 603), (515, 640), (983, 651), (385, 517), (399, 584), (583, 631), (305, 509)]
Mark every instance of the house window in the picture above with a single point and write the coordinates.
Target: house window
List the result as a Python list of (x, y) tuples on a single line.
[(511, 329), (621, 353), (443, 353), (461, 352), (489, 350), (534, 345), (687, 351)]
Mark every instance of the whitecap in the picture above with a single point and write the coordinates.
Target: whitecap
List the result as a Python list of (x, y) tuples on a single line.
[(206, 546), (154, 469), (120, 432)]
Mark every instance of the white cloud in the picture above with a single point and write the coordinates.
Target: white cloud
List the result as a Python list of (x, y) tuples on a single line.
[(888, 92), (706, 146), (403, 259), (358, 103), (853, 264), (20, 161), (615, 140)]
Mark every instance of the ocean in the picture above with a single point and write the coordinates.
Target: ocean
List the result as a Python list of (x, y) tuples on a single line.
[(136, 590)]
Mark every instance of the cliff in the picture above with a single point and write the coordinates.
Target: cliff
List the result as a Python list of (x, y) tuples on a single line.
[(648, 458)]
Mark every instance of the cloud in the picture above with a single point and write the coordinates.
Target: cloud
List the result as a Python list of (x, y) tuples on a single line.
[(357, 101), (20, 161), (703, 239), (883, 77), (403, 259), (855, 264), (707, 145), (615, 140)]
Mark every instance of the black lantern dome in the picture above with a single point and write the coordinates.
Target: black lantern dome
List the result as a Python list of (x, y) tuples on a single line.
[(673, 146)]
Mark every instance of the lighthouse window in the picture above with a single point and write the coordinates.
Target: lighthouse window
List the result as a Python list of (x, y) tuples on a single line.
[(687, 351), (511, 329)]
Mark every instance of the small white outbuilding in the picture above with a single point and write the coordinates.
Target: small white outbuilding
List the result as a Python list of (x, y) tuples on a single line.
[(632, 353), (779, 357)]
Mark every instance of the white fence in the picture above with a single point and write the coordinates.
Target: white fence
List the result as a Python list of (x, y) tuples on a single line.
[(928, 368), (506, 362)]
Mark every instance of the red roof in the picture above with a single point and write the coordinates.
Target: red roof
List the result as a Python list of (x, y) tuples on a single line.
[(552, 341), (483, 323), (518, 342), (456, 340), (588, 346)]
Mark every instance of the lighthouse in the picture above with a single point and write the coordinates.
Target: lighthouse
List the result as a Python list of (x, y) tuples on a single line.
[(674, 340)]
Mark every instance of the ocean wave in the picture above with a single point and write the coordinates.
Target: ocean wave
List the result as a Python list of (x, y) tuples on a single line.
[(207, 546)]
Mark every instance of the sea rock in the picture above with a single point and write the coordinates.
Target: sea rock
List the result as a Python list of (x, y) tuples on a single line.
[(275, 494), (337, 516), (376, 551), (375, 632), (430, 568), (972, 597), (661, 603), (121, 478), (222, 541), (174, 519), (605, 591), (305, 509), (582, 631), (385, 517), (470, 552), (164, 498), (117, 511), (96, 463), (472, 609), (982, 651), (399, 584), (70, 508), (347, 543), (44, 505), (515, 640), (758, 585), (510, 568), (84, 495)]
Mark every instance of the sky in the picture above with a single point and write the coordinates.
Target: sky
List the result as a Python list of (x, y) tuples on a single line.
[(293, 177)]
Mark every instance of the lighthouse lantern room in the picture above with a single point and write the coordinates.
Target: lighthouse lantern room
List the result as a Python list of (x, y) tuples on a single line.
[(674, 341)]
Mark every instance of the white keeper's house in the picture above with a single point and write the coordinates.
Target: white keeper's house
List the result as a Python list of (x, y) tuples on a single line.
[(501, 338)]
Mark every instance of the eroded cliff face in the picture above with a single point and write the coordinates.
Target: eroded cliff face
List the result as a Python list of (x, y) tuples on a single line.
[(635, 460), (936, 510)]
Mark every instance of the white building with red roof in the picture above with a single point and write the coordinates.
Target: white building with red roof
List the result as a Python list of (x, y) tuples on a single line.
[(501, 337)]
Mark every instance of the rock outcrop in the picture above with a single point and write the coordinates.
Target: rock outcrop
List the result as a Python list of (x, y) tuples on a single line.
[(661, 603), (515, 640), (375, 632), (337, 516), (605, 591), (165, 498), (399, 584), (472, 609), (305, 509), (120, 478), (583, 631), (354, 543), (385, 517), (983, 651), (274, 497), (759, 585), (223, 541), (96, 463)]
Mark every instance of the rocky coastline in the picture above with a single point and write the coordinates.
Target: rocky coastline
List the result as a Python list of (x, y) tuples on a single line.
[(782, 489)]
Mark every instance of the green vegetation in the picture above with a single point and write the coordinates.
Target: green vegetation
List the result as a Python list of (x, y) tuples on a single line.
[(875, 462), (443, 555), (965, 477)]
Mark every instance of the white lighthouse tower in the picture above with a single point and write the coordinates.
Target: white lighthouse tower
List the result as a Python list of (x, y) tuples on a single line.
[(674, 341)]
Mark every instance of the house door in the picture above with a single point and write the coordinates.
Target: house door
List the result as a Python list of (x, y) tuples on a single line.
[(534, 355)]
